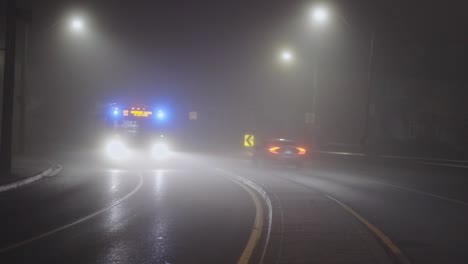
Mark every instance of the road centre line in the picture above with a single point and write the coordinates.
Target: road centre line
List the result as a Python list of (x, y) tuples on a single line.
[(376, 231), (254, 238)]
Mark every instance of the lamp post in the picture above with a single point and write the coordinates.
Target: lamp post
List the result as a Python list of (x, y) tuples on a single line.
[(319, 15)]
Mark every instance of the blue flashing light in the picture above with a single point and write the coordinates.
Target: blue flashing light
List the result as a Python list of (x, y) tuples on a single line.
[(160, 115), (115, 112)]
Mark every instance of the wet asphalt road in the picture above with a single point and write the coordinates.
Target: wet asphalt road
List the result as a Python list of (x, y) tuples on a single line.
[(184, 211), (170, 212), (422, 207)]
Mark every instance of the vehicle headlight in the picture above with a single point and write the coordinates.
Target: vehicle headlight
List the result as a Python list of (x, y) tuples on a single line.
[(117, 150), (159, 150)]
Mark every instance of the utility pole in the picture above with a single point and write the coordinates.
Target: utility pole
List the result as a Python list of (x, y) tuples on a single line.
[(8, 89), (315, 91), (25, 16), (24, 86)]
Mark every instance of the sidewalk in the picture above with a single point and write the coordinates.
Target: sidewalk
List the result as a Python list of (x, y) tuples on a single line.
[(310, 228), (24, 168)]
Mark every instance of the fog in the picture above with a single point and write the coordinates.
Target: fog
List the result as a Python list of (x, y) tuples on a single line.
[(220, 59)]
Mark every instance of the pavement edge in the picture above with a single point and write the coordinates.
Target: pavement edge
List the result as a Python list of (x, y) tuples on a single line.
[(53, 170)]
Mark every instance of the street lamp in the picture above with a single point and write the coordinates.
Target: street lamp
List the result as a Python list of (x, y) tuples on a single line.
[(77, 24), (287, 56), (320, 15)]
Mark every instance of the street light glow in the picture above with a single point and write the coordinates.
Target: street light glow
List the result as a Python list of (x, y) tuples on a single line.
[(320, 15), (287, 56), (77, 24)]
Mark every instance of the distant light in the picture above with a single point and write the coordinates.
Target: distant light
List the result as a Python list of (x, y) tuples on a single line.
[(77, 24), (116, 112), (274, 150), (160, 114), (116, 150), (301, 151), (320, 15), (193, 115), (287, 56)]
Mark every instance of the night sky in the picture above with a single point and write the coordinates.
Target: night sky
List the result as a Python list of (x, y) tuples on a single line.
[(205, 43)]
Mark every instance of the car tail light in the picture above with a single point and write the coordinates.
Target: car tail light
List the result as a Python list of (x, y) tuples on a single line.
[(274, 150), (301, 151)]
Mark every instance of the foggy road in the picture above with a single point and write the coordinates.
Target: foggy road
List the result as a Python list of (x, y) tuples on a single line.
[(421, 207), (170, 213), (141, 133), (187, 210)]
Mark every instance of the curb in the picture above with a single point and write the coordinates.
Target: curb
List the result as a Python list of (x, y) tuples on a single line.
[(51, 171), (386, 156)]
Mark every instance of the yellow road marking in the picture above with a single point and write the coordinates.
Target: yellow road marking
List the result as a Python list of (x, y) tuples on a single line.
[(377, 232), (258, 223), (256, 231)]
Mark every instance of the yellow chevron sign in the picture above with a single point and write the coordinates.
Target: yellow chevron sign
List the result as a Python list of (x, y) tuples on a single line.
[(249, 140)]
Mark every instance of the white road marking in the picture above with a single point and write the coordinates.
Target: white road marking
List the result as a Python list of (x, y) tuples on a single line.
[(423, 193), (422, 158), (56, 230), (280, 250), (444, 164), (415, 191)]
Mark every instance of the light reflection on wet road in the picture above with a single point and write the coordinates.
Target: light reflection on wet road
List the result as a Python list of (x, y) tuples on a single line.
[(181, 214)]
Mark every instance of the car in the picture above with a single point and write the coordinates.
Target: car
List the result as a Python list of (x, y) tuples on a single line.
[(280, 151)]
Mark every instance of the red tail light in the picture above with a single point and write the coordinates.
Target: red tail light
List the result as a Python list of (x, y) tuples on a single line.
[(301, 151), (274, 150)]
